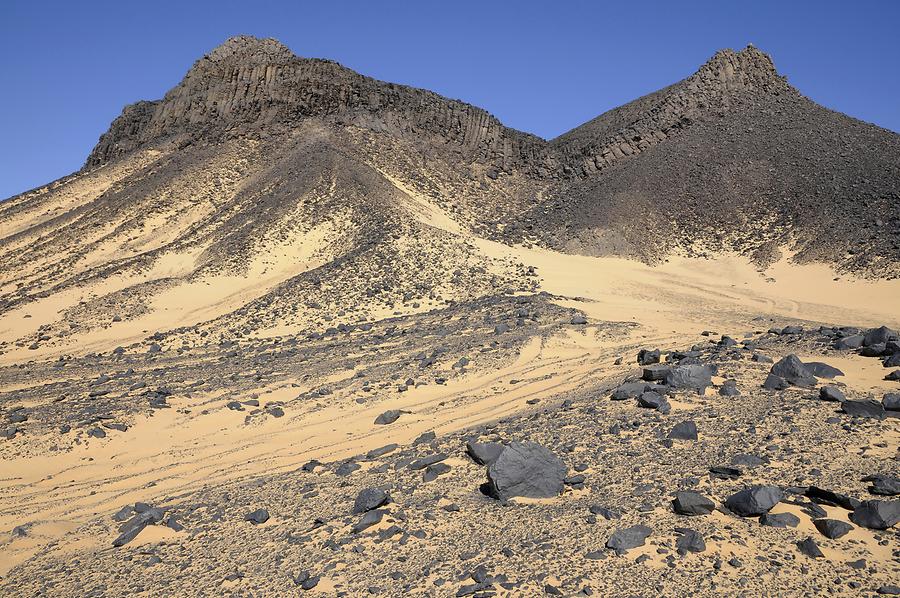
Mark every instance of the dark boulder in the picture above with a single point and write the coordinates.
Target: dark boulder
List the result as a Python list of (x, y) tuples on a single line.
[(754, 501), (883, 485), (866, 408), (891, 401), (655, 372), (793, 371), (131, 528), (849, 343), (691, 377), (877, 514), (692, 503), (686, 430), (879, 336), (628, 538), (629, 390), (829, 497), (258, 516), (779, 520), (689, 540), (823, 370), (810, 548), (370, 498), (646, 357), (832, 393), (525, 469), (832, 528)]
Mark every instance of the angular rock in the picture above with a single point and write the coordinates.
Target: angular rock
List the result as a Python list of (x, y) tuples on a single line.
[(629, 390), (829, 497), (754, 501), (832, 393), (628, 538), (891, 401), (774, 382), (370, 498), (388, 417), (655, 372), (729, 389), (686, 430), (646, 357), (525, 469), (368, 519), (692, 503), (879, 336), (810, 548), (131, 528), (832, 528), (884, 485), (779, 520), (823, 370), (689, 541), (691, 377), (877, 514), (793, 371), (866, 408)]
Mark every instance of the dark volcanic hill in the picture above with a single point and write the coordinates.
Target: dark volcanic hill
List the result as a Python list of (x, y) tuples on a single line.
[(295, 331), (731, 158), (329, 194)]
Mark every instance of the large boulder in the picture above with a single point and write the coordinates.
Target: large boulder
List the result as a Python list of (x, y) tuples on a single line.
[(877, 514), (832, 528), (370, 498), (525, 469), (628, 538), (793, 371), (686, 430), (832, 393), (754, 501), (879, 336), (849, 343), (693, 377), (629, 390), (692, 503), (866, 408)]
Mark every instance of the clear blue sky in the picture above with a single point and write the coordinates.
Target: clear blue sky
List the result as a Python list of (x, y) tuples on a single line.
[(69, 66)]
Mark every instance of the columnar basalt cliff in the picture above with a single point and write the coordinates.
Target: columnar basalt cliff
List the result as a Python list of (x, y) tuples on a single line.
[(726, 81), (252, 82)]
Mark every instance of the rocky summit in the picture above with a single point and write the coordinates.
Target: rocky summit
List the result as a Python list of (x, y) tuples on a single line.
[(294, 330)]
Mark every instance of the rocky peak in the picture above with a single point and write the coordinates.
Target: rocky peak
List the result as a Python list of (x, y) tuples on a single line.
[(730, 71), (726, 80), (248, 50)]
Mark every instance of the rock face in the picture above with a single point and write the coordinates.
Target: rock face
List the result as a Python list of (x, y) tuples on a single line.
[(525, 469), (253, 82)]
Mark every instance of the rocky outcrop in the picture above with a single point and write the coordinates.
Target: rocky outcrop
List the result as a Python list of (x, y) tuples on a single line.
[(249, 81), (728, 78)]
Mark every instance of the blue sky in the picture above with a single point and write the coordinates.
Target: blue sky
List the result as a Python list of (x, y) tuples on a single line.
[(69, 67)]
